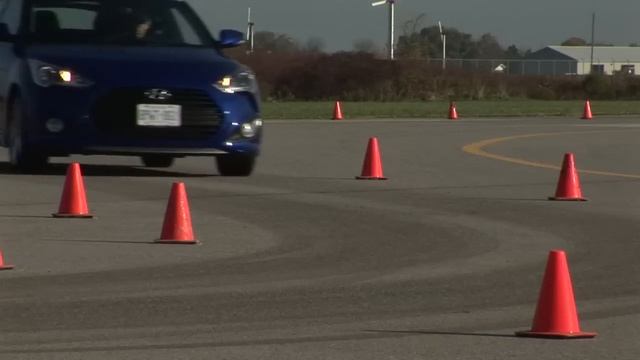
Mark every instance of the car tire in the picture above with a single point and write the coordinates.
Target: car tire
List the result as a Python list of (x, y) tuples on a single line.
[(235, 165), (157, 161), (21, 156)]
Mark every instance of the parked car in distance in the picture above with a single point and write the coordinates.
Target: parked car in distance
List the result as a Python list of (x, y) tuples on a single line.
[(123, 77)]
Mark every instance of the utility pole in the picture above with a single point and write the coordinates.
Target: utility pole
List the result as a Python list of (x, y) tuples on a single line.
[(392, 28), (593, 35)]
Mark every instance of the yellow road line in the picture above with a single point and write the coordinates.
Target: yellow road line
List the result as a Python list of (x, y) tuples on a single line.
[(478, 149)]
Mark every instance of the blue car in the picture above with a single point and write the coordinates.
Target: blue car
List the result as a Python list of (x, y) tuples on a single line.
[(123, 77)]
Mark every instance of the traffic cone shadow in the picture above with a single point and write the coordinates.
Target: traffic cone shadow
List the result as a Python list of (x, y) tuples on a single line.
[(337, 111), (556, 314), (73, 203), (177, 228), (568, 188), (372, 166)]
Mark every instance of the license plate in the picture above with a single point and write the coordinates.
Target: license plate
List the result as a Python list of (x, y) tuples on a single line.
[(158, 115)]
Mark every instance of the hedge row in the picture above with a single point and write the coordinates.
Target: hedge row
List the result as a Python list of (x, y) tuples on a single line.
[(362, 77)]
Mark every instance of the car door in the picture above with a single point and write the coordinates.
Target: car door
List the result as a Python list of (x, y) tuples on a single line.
[(11, 15)]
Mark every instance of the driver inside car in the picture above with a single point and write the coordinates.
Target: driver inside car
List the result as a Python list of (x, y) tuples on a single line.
[(125, 23)]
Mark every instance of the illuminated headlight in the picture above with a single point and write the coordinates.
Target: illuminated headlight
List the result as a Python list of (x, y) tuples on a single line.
[(47, 75), (244, 81), (251, 129)]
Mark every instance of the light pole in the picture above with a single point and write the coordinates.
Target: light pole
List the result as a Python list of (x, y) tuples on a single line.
[(250, 32), (443, 37), (392, 20), (593, 39)]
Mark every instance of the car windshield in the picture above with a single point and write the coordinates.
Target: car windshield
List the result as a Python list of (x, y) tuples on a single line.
[(116, 22)]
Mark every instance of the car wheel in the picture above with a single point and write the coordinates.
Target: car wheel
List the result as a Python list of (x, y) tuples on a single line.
[(236, 165), (157, 161), (21, 156)]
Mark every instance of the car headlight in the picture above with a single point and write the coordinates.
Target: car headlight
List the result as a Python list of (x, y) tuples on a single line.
[(47, 75), (244, 81), (247, 130), (251, 129)]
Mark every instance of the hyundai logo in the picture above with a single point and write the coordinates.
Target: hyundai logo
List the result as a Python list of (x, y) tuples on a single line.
[(158, 94)]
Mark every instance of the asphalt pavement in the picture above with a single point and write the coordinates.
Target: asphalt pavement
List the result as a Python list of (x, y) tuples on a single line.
[(444, 260)]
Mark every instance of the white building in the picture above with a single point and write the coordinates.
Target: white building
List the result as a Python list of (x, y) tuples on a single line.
[(557, 60)]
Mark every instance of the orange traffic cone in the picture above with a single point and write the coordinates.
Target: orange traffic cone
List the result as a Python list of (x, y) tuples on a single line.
[(568, 188), (177, 228), (372, 166), (556, 315), (587, 115), (337, 111), (453, 112), (4, 266), (73, 203)]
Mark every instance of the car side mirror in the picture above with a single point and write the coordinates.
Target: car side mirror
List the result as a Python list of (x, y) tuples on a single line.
[(230, 38), (5, 35)]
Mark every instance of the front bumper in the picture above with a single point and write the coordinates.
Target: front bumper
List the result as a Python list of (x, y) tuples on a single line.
[(96, 124), (123, 150)]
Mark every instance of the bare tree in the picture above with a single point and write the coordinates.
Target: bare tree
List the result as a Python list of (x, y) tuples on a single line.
[(411, 26), (277, 43), (488, 47), (365, 46), (411, 43), (314, 45)]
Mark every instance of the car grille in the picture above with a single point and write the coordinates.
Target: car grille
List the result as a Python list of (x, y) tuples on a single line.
[(115, 113)]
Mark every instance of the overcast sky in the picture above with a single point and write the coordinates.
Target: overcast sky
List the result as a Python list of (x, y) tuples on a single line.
[(527, 24)]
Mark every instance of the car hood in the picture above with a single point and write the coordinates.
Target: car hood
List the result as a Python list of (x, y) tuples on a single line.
[(183, 66)]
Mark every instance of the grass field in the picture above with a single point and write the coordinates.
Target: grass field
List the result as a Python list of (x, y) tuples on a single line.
[(439, 109)]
